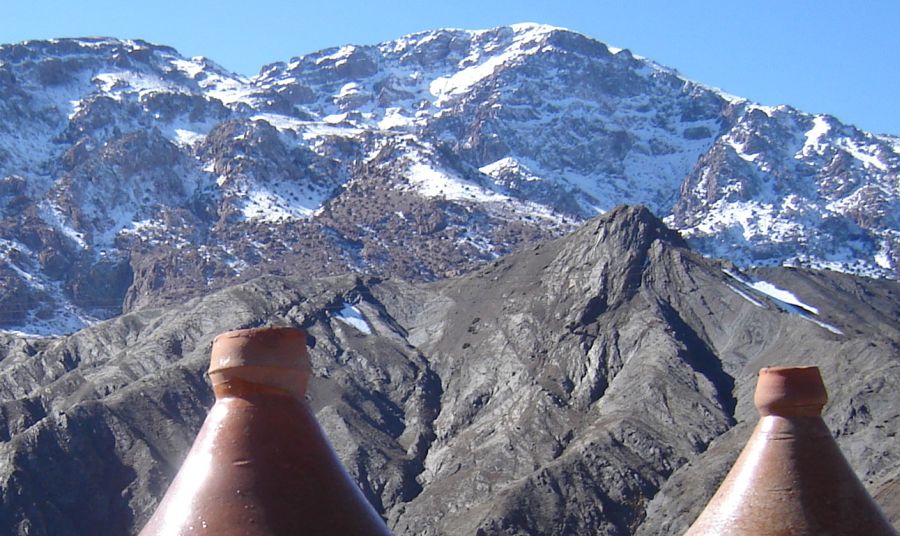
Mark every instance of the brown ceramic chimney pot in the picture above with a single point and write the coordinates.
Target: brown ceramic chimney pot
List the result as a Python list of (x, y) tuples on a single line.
[(790, 391), (791, 478), (260, 465), (274, 357)]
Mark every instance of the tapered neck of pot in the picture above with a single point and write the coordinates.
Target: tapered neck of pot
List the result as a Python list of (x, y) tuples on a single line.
[(260, 360), (791, 477), (790, 392)]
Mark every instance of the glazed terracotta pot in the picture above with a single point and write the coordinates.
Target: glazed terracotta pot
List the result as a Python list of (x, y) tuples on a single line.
[(791, 478), (260, 464)]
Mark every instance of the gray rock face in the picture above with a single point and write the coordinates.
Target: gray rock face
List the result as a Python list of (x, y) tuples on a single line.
[(429, 156), (596, 384)]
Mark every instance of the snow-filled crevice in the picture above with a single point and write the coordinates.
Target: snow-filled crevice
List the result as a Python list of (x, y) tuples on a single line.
[(785, 300)]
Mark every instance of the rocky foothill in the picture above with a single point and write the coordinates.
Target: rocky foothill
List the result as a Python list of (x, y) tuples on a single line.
[(600, 383)]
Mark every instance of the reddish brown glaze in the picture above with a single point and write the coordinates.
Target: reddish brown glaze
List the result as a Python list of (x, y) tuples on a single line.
[(790, 391), (791, 478), (260, 464), (266, 356)]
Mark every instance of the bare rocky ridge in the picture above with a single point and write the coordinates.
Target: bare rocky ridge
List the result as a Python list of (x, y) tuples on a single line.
[(133, 177), (594, 384)]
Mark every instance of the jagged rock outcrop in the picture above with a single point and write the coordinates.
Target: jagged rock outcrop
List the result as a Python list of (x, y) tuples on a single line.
[(592, 384)]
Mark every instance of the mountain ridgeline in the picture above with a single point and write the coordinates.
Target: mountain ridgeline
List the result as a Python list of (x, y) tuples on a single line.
[(599, 383), (133, 177)]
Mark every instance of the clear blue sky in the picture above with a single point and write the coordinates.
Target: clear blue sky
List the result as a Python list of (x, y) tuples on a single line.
[(833, 56)]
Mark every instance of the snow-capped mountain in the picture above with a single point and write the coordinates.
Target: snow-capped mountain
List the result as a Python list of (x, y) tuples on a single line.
[(132, 176)]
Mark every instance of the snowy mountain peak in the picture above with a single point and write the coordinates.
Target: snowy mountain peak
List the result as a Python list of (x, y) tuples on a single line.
[(131, 175)]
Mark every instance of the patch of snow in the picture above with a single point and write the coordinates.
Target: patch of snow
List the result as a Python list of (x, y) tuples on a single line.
[(318, 130), (881, 258), (191, 68), (349, 88), (474, 68), (753, 219), (729, 97), (97, 43), (843, 261), (768, 110), (785, 300), (76, 107), (739, 149), (144, 228), (69, 320), (814, 135), (509, 165), (771, 291), (479, 242), (184, 132), (824, 325), (852, 202), (229, 91), (187, 138), (893, 141), (432, 182), (782, 295), (791, 204), (7, 248), (647, 176), (153, 232), (282, 202), (746, 296), (338, 57), (234, 262), (864, 153), (281, 122), (334, 119), (27, 277), (122, 217), (394, 118), (535, 28), (54, 217), (285, 81), (117, 84), (447, 86), (352, 316)]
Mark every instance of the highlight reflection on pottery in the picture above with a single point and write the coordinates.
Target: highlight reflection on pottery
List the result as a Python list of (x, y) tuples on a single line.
[(791, 478)]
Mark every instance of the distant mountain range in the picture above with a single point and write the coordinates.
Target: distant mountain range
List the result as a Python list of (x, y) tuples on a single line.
[(131, 176)]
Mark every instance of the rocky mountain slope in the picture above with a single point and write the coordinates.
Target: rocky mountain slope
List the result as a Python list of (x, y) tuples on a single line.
[(595, 384), (131, 176)]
